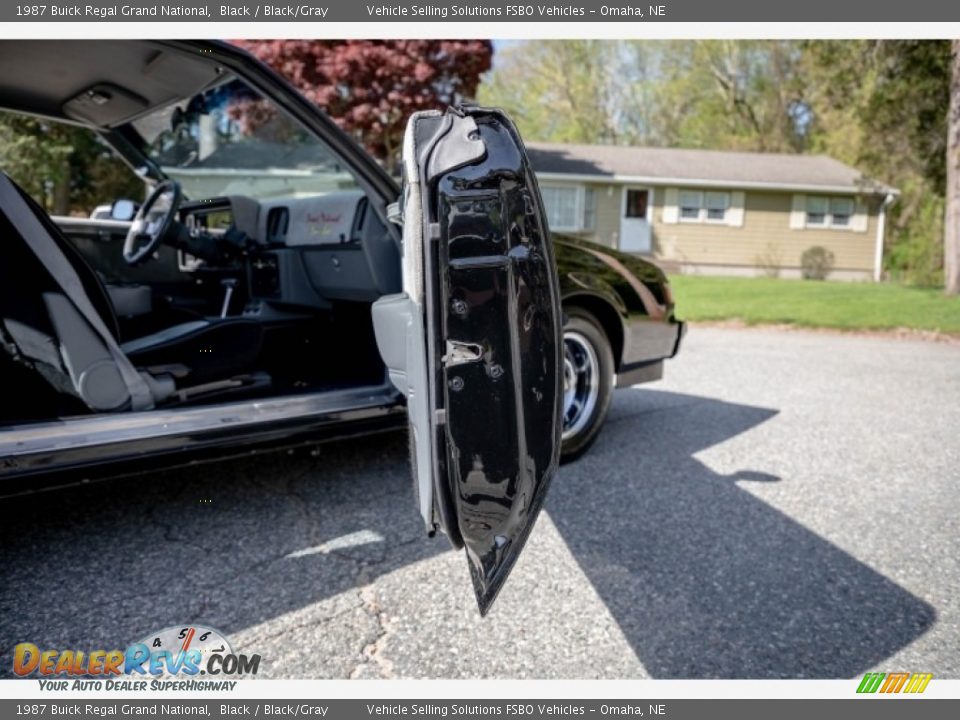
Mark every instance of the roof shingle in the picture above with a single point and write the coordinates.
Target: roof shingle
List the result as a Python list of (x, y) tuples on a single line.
[(748, 169)]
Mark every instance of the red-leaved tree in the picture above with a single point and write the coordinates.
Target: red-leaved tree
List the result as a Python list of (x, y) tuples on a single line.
[(370, 87)]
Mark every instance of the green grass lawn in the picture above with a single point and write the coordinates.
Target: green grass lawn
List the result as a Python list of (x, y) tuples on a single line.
[(807, 303)]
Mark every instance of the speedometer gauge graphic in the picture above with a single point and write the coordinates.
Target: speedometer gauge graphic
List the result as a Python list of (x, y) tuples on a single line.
[(177, 647)]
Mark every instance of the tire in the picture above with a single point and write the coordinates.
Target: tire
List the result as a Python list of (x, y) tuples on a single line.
[(588, 382)]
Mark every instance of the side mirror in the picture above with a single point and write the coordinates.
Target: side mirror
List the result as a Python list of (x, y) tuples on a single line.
[(123, 210)]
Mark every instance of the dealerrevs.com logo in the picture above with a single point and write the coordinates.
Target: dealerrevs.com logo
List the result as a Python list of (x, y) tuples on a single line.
[(161, 658)]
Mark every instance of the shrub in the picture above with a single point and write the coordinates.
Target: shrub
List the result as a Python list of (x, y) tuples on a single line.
[(769, 261), (915, 248), (816, 263)]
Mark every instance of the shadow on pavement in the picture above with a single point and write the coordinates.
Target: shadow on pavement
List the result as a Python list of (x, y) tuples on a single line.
[(706, 580), (229, 545)]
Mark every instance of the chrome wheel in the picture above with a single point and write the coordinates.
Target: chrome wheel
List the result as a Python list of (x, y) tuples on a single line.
[(581, 382)]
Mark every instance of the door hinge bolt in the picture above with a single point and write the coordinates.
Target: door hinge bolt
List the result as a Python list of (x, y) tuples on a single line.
[(456, 384), (459, 307), (496, 371)]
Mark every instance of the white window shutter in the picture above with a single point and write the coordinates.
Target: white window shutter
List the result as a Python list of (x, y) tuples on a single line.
[(858, 223), (798, 212), (735, 210), (671, 212)]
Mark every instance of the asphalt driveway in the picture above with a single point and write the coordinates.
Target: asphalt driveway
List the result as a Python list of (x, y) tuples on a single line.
[(783, 504)]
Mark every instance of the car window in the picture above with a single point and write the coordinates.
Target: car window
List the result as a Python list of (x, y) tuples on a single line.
[(68, 169), (230, 140)]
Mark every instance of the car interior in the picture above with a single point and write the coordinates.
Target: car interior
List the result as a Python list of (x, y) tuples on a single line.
[(247, 269)]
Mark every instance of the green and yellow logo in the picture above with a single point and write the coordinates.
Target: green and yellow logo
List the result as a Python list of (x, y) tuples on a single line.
[(898, 682)]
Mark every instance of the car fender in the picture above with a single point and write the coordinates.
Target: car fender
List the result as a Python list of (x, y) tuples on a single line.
[(602, 301), (598, 278)]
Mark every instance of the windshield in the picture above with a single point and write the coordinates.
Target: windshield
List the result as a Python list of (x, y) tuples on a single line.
[(230, 140)]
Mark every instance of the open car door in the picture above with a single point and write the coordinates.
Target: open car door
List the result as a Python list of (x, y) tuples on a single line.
[(474, 341)]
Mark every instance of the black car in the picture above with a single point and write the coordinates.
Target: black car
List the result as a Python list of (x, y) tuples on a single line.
[(277, 287)]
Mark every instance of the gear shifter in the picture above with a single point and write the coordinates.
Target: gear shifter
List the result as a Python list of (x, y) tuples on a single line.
[(228, 286)]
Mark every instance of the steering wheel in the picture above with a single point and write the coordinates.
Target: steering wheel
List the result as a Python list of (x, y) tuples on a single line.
[(152, 222)]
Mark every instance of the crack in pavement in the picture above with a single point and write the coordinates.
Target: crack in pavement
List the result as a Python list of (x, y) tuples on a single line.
[(373, 652), (302, 508)]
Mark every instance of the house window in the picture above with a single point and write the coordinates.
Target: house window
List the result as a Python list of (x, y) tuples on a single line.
[(569, 207), (817, 209), (589, 209), (716, 206), (561, 206), (690, 203), (823, 212), (698, 207), (841, 210)]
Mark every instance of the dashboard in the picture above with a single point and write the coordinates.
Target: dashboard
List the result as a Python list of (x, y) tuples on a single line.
[(305, 252)]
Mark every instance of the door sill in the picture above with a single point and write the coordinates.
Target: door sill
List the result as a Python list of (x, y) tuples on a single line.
[(95, 439)]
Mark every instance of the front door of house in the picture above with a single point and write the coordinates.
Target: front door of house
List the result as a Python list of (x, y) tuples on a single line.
[(635, 216)]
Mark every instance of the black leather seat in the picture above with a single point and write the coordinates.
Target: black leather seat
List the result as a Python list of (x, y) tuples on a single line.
[(209, 349)]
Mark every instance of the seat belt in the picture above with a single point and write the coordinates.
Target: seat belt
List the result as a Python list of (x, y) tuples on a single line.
[(62, 271)]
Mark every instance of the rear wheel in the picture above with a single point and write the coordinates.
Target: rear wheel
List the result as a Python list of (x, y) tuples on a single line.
[(587, 382)]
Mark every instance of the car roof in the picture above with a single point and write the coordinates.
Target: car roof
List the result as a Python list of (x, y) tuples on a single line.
[(102, 83)]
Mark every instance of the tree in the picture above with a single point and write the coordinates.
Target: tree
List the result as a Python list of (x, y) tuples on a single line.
[(37, 155), (951, 244), (882, 105), (732, 95), (371, 87), (67, 168), (714, 94), (578, 91)]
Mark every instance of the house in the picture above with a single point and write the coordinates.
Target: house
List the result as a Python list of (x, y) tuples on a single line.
[(715, 212)]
